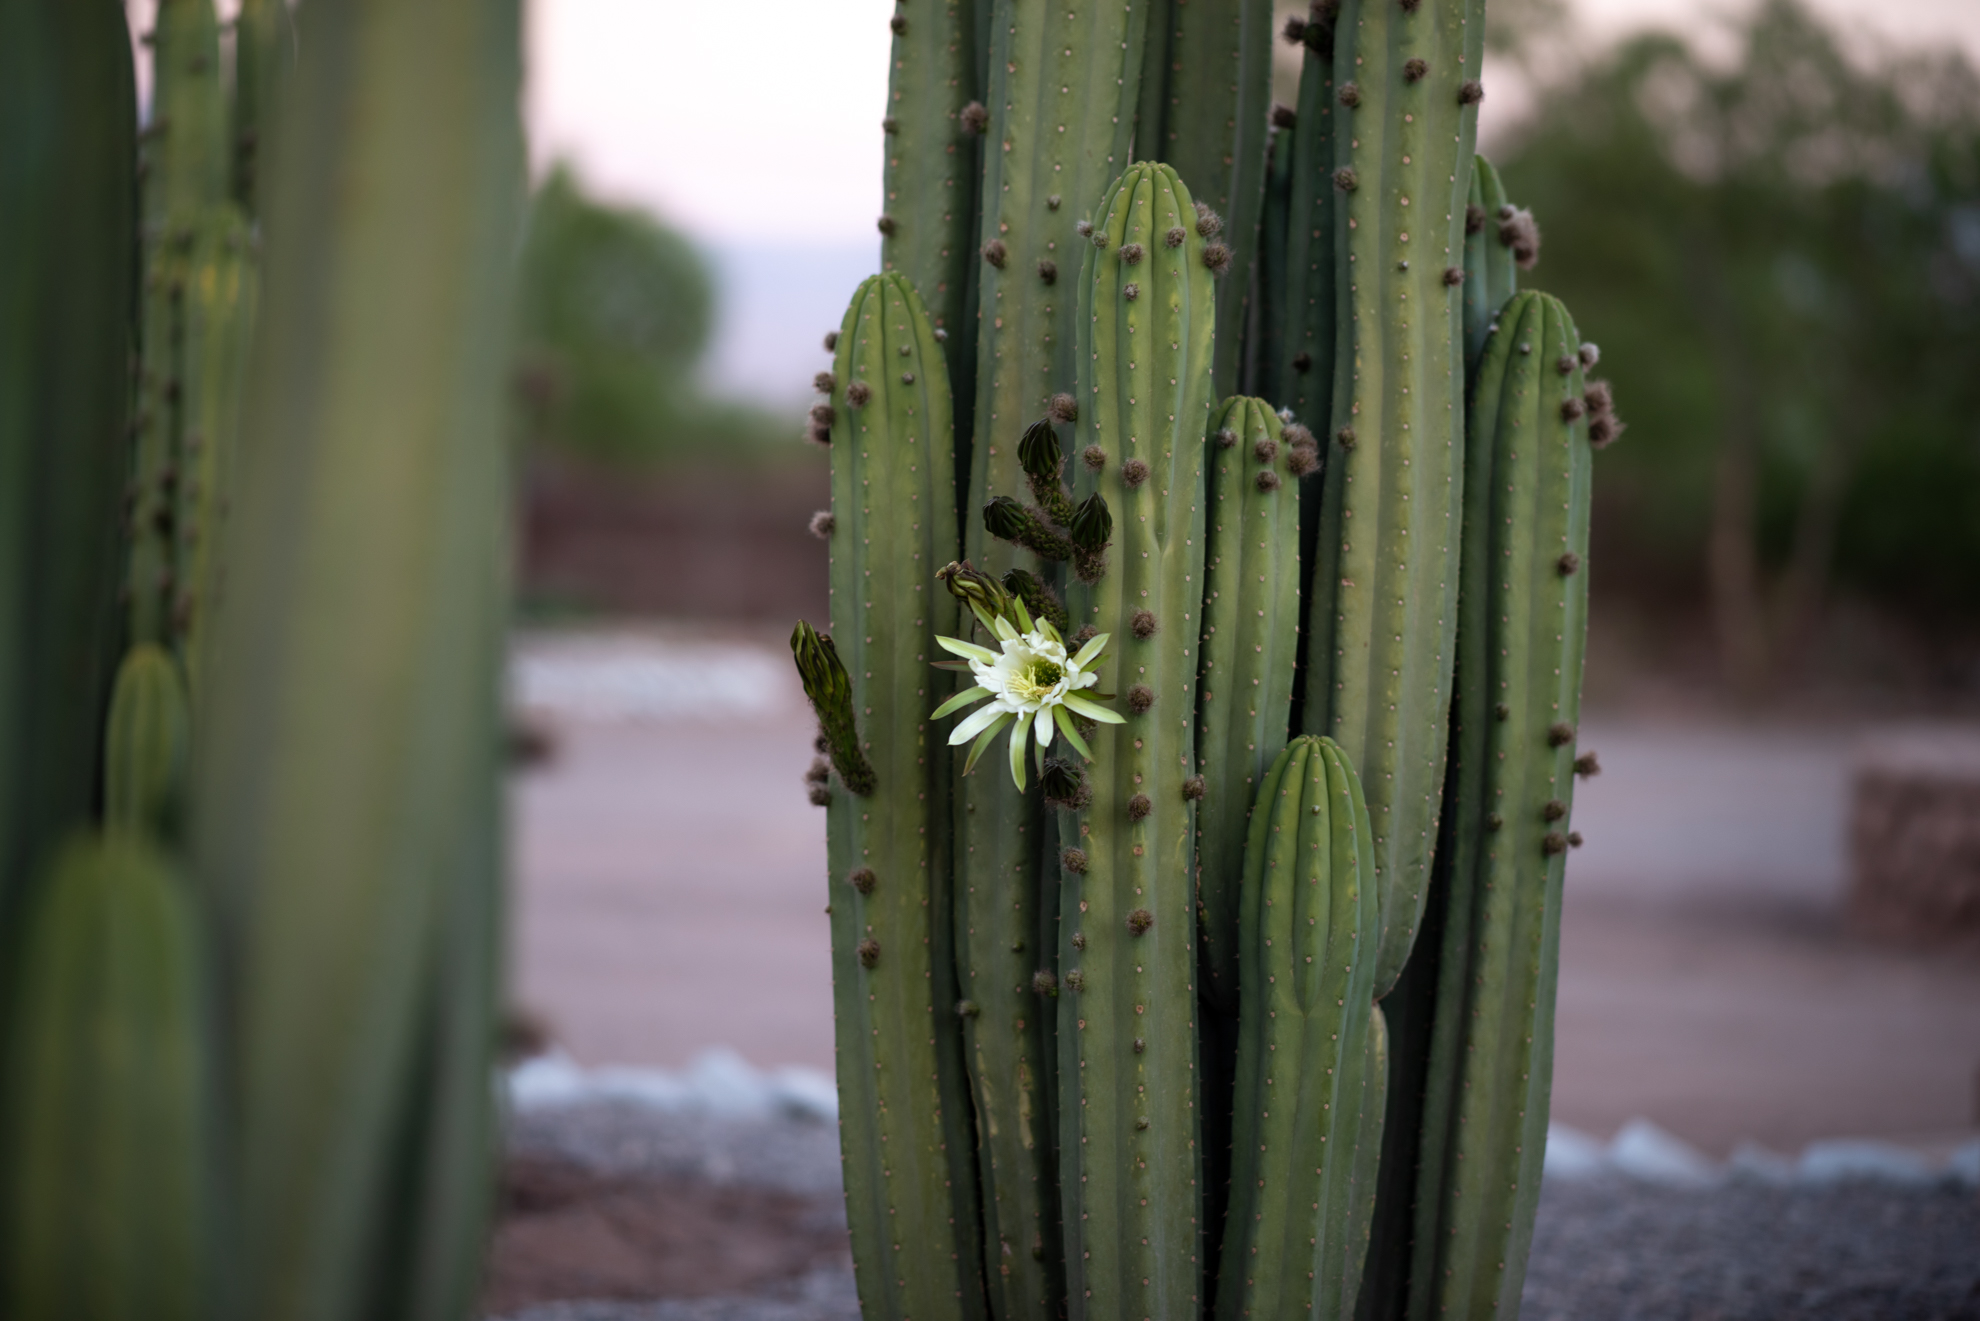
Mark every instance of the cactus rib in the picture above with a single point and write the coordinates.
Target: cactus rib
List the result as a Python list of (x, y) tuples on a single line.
[(1130, 1182), (1292, 1245), (1521, 642), (904, 1111), (1491, 275)]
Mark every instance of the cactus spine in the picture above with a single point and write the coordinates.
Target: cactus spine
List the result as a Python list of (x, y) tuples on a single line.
[(1293, 1244), (67, 215), (1205, 86), (1129, 1154), (1521, 640), (108, 1129), (904, 1111), (1250, 632), (1384, 586), (341, 785)]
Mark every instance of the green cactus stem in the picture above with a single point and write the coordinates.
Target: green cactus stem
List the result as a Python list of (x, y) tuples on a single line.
[(145, 744), (1250, 631), (343, 780), (1205, 87), (1383, 600), (1268, 321), (107, 1130), (1293, 1245), (68, 210), (830, 689), (934, 130), (1310, 261), (1130, 1161), (1491, 273), (1521, 642), (904, 1106), (264, 40)]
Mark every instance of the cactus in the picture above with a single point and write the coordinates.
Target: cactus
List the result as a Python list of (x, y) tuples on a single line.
[(934, 132), (1205, 84), (341, 786), (1383, 600), (1301, 373), (1250, 626), (146, 743), (1129, 1176), (107, 1127), (904, 1110), (1501, 861), (1491, 271), (67, 216), (1267, 320), (1293, 1244)]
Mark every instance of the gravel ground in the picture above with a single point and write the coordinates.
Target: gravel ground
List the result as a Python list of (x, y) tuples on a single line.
[(1607, 1249)]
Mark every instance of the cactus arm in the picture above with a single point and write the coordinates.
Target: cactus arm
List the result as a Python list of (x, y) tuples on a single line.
[(1130, 1186), (904, 1111), (1491, 276), (1214, 96), (108, 1134), (1485, 1108), (1384, 598), (145, 744), (1244, 688), (1292, 1247), (68, 210), (933, 164), (1264, 358), (264, 45), (1304, 371), (1062, 75), (364, 556)]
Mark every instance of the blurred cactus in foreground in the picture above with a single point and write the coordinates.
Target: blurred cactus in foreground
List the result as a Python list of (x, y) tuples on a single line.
[(249, 1023), (1191, 912)]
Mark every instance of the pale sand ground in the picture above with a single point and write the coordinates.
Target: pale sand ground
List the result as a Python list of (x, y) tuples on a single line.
[(671, 887)]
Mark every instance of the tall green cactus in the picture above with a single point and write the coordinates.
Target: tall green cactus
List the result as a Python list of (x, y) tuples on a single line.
[(107, 1124), (904, 1110), (1521, 642), (1267, 322), (1250, 632), (1296, 1235), (934, 129), (146, 743), (1129, 1175), (67, 218), (1383, 599), (1491, 270), (1300, 374), (342, 783), (1206, 82)]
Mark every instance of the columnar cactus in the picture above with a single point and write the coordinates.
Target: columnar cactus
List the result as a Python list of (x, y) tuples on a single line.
[(1205, 84), (343, 786), (108, 1124), (1129, 1155), (146, 743), (1492, 233), (904, 1117), (67, 216), (1383, 596), (1520, 637), (1298, 368), (1296, 1236)]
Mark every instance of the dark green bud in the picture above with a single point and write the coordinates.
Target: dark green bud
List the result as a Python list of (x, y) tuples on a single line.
[(1038, 452), (1092, 524)]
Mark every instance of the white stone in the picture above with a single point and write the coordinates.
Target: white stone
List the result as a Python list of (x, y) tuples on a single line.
[(1643, 1151)]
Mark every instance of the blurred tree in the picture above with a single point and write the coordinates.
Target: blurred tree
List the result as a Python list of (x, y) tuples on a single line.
[(615, 313), (1781, 258)]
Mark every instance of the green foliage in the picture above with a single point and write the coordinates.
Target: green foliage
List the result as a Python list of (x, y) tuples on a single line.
[(613, 316), (1781, 258)]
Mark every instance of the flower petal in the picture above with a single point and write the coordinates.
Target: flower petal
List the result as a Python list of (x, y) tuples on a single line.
[(1094, 711), (983, 617), (978, 719), (1018, 734), (967, 650), (1023, 615), (1045, 728), (1063, 719), (1045, 627), (1093, 648), (959, 701), (1005, 630), (983, 740)]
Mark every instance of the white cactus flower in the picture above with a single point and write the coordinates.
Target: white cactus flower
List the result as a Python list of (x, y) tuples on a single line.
[(1033, 682)]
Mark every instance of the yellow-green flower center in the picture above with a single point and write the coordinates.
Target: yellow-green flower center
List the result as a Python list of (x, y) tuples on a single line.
[(1035, 681)]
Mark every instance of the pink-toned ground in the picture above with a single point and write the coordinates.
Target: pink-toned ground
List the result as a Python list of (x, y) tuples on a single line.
[(671, 886)]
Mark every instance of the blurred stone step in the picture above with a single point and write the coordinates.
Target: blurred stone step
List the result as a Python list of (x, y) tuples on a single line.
[(1915, 835)]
